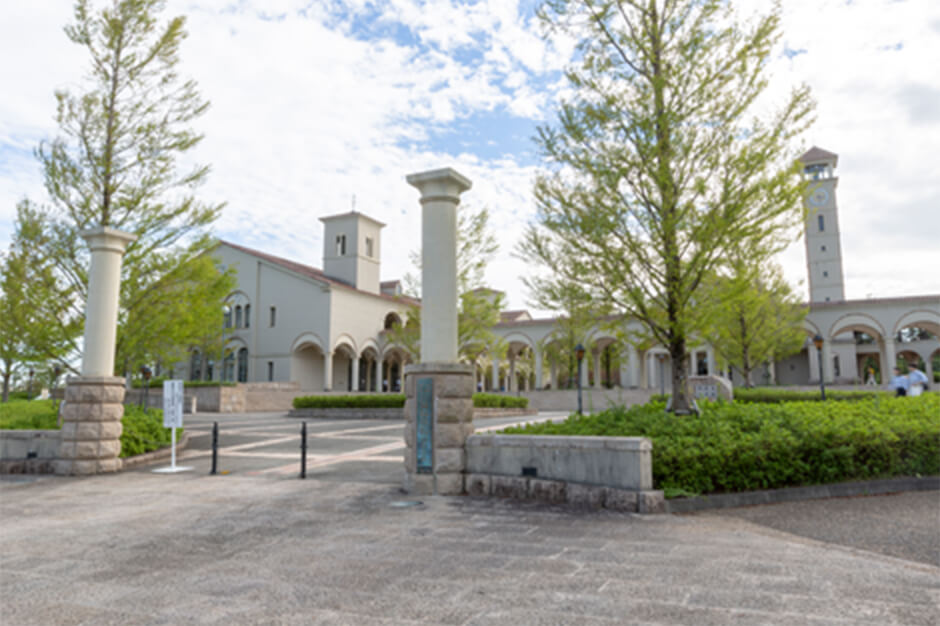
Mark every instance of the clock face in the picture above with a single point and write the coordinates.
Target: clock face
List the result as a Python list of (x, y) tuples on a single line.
[(819, 197)]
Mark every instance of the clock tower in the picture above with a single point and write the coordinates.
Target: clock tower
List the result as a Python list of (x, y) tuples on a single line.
[(823, 246)]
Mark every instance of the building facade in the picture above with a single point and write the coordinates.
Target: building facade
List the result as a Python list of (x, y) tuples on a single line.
[(327, 329)]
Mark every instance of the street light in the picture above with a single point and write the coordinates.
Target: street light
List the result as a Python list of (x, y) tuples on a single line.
[(579, 352), (29, 387), (818, 342), (226, 312), (145, 373)]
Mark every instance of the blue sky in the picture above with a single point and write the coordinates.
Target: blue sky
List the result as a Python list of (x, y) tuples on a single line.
[(316, 102)]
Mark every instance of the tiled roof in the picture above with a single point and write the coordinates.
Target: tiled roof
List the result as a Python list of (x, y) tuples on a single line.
[(818, 154), (314, 273)]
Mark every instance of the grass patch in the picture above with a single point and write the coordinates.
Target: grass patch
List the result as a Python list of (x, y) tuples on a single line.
[(746, 446), (142, 431)]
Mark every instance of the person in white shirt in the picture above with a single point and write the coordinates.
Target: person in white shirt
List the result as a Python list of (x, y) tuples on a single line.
[(918, 381)]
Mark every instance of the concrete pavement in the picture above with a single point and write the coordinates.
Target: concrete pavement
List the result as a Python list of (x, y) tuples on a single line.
[(255, 547)]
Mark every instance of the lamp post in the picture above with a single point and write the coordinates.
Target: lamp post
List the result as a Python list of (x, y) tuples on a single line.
[(226, 312), (818, 342), (29, 386), (579, 352), (145, 374)]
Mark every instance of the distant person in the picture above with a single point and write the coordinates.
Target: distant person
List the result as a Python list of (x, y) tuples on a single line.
[(900, 383), (871, 377), (918, 381)]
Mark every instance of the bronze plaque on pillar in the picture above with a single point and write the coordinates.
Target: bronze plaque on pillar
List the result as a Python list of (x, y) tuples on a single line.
[(424, 425)]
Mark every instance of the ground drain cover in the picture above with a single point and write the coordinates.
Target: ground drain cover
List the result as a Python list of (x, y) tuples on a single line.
[(406, 504)]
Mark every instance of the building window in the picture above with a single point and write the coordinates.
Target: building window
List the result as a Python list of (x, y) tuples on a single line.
[(238, 317), (835, 366), (247, 316), (227, 317), (270, 371), (340, 245), (273, 316), (243, 365), (827, 298), (825, 274), (822, 223), (823, 248), (369, 247)]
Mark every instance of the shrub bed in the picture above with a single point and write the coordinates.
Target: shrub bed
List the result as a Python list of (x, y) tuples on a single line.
[(494, 400), (370, 401), (158, 383), (142, 431), (790, 395), (397, 400), (746, 446)]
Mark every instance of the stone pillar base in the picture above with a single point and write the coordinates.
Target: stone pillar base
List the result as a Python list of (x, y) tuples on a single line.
[(91, 426), (452, 424)]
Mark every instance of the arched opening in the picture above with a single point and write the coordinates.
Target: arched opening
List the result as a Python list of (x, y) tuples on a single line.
[(243, 365), (306, 367), (368, 369), (247, 316), (391, 321), (343, 357), (238, 316)]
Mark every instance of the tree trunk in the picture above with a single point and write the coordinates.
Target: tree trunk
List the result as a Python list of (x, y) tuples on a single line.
[(6, 386), (681, 398)]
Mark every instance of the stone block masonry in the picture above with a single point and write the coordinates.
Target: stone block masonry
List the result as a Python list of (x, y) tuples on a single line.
[(91, 426), (452, 423)]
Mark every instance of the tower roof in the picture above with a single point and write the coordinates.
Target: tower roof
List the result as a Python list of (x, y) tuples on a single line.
[(817, 154)]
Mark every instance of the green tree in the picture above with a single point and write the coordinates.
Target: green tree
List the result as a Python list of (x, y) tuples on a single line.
[(115, 163), (478, 309), (36, 325), (661, 162), (753, 316)]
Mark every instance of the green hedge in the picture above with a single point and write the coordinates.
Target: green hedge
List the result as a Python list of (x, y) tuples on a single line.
[(370, 401), (495, 400), (158, 383), (789, 395), (397, 400), (747, 446), (142, 432)]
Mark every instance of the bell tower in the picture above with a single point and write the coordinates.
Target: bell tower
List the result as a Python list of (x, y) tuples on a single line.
[(823, 244), (351, 249)]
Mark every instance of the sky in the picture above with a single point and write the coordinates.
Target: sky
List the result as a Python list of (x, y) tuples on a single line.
[(319, 107)]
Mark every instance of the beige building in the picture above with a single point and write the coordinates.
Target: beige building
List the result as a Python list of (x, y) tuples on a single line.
[(326, 329)]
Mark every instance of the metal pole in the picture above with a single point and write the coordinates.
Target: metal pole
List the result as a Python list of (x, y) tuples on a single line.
[(303, 450), (822, 375), (215, 447), (579, 386)]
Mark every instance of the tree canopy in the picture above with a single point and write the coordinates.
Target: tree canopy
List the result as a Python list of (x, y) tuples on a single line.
[(116, 162), (664, 159)]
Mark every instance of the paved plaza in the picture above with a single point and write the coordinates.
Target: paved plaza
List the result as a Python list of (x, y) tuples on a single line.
[(259, 546)]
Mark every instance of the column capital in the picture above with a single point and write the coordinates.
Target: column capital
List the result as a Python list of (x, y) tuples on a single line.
[(107, 238), (440, 184)]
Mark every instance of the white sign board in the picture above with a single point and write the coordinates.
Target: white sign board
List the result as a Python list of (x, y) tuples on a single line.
[(172, 404)]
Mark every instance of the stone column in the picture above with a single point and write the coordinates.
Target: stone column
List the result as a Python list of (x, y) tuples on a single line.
[(438, 390), (584, 374), (597, 369), (369, 362), (513, 383), (710, 356), (94, 402), (538, 368), (928, 369), (772, 370), (827, 360), (553, 374), (327, 370), (890, 360), (354, 383), (495, 374), (813, 356), (633, 361)]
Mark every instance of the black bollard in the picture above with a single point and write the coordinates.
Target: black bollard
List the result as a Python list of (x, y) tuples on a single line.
[(215, 447), (303, 450)]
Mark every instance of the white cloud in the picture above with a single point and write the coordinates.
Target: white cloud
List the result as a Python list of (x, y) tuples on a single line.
[(309, 109)]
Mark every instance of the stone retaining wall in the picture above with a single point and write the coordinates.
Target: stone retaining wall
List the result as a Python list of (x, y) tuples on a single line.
[(610, 472), (28, 451)]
